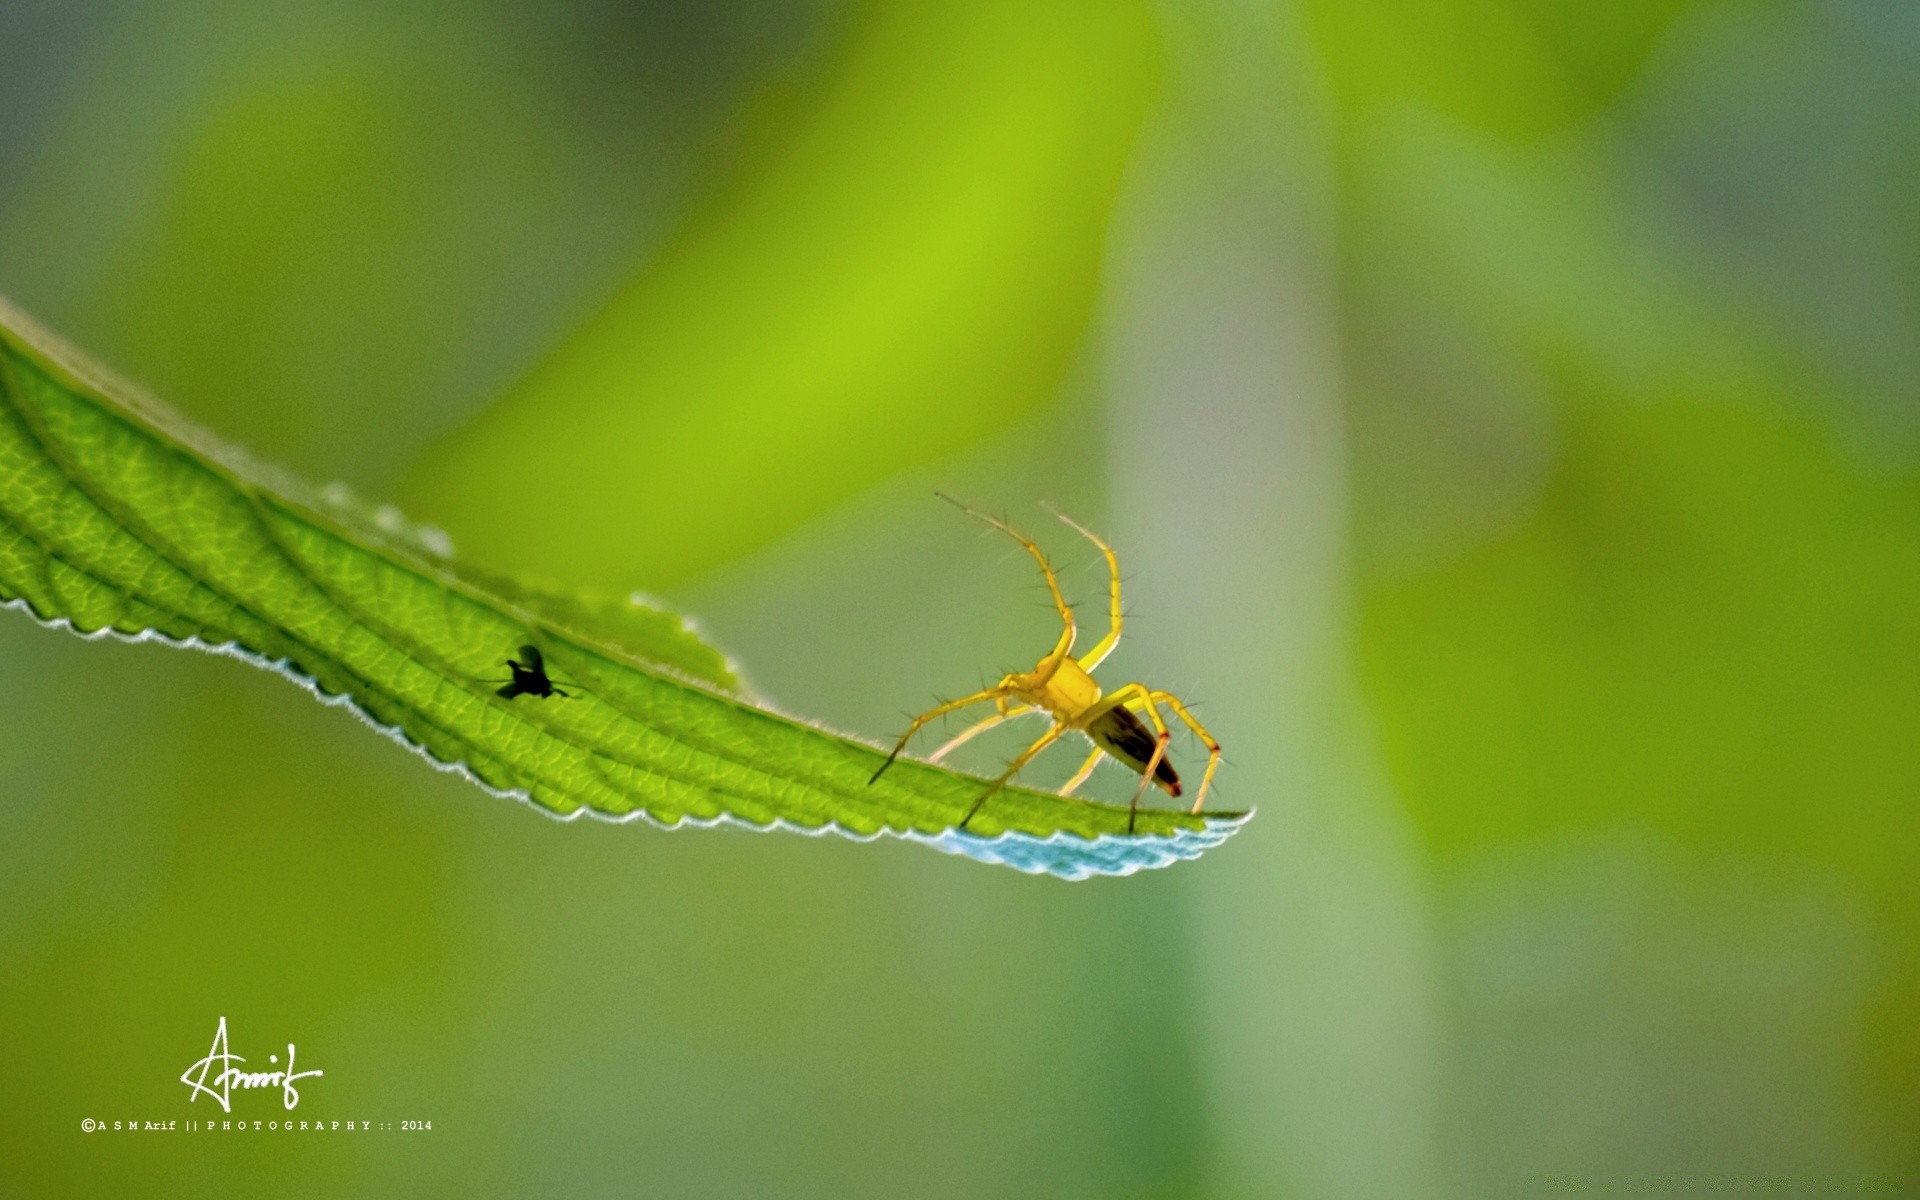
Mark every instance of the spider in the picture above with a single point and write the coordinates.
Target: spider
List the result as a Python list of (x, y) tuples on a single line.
[(1063, 687)]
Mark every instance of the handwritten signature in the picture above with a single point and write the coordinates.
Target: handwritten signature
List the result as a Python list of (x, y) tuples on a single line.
[(229, 1076)]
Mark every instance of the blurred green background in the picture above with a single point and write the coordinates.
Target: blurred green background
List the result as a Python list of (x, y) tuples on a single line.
[(1505, 410)]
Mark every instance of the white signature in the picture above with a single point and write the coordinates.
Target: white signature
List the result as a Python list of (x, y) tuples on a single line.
[(229, 1077)]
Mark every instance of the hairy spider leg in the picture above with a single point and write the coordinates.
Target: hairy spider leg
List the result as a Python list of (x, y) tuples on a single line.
[(1026, 756), (979, 727), (1199, 731), (1079, 777), (931, 714), (1094, 657), (1064, 646)]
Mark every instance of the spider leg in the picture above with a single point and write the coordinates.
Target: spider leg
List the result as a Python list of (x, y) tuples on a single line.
[(979, 727), (1064, 646), (1105, 645), (1079, 777), (1200, 731), (920, 722), (1153, 764), (1026, 756)]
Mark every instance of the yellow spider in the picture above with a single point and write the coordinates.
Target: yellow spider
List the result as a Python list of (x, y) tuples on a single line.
[(1063, 687)]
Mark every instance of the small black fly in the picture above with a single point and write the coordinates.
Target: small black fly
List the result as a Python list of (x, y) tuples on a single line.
[(529, 677)]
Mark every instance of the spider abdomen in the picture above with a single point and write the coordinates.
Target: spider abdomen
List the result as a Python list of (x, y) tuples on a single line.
[(1121, 734)]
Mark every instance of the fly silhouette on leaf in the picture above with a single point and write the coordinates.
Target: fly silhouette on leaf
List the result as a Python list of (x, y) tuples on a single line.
[(530, 677)]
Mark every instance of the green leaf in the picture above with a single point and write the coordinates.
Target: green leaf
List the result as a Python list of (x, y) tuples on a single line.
[(116, 518)]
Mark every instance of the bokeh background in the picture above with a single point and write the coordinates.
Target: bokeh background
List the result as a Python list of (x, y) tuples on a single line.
[(1506, 411)]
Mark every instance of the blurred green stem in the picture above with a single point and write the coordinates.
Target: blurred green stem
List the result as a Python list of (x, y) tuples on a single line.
[(1227, 460)]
